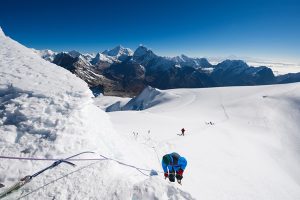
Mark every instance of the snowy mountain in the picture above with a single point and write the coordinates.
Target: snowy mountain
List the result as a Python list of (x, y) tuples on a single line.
[(278, 67), (151, 61), (48, 112), (87, 72), (119, 52), (102, 57), (121, 72), (46, 54), (73, 53), (237, 72), (184, 60)]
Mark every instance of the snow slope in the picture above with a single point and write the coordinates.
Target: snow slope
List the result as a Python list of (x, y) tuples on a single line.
[(147, 98), (47, 112), (106, 101), (249, 151)]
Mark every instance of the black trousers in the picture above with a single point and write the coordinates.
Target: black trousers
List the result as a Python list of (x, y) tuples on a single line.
[(172, 176)]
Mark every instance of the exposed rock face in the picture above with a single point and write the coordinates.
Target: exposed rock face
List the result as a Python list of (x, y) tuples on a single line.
[(237, 72), (288, 78), (151, 61), (65, 60), (121, 72), (186, 61), (129, 74), (185, 77)]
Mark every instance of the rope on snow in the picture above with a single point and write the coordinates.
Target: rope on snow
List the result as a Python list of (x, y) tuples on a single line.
[(28, 178), (53, 181)]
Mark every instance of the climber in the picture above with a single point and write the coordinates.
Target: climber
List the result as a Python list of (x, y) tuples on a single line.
[(182, 131), (173, 165)]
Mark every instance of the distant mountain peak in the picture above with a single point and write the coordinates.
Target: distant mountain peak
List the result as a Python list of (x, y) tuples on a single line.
[(141, 51), (184, 60), (74, 53), (119, 52), (46, 54), (233, 63), (184, 56), (103, 58)]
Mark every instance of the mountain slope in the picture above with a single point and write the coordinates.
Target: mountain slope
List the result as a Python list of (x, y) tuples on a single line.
[(237, 72), (47, 112), (240, 142), (119, 52), (106, 72)]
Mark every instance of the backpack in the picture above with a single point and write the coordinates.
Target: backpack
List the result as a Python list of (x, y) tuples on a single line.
[(175, 157)]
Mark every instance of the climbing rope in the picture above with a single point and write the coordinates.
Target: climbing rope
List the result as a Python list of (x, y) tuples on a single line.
[(72, 159), (46, 159), (154, 148), (62, 177), (28, 178), (132, 166)]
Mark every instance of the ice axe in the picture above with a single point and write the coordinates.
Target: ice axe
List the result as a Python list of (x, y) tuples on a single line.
[(179, 182)]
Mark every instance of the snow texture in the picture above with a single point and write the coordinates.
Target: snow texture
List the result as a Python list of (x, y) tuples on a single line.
[(47, 112), (240, 142)]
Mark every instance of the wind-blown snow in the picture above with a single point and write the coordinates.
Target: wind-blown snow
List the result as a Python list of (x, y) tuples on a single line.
[(47, 112)]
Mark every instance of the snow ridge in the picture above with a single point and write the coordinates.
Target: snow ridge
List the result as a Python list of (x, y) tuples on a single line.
[(45, 112), (1, 32), (148, 98)]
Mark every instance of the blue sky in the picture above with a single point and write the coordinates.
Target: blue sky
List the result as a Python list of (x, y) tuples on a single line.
[(262, 29)]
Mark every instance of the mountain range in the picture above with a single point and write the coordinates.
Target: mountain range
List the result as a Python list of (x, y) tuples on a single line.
[(123, 72)]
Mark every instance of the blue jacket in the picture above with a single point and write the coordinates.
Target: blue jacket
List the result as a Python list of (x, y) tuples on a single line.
[(177, 162)]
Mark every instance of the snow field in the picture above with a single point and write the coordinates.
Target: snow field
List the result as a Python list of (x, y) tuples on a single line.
[(250, 152)]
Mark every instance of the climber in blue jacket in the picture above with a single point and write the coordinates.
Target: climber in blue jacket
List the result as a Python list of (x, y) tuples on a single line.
[(173, 165)]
